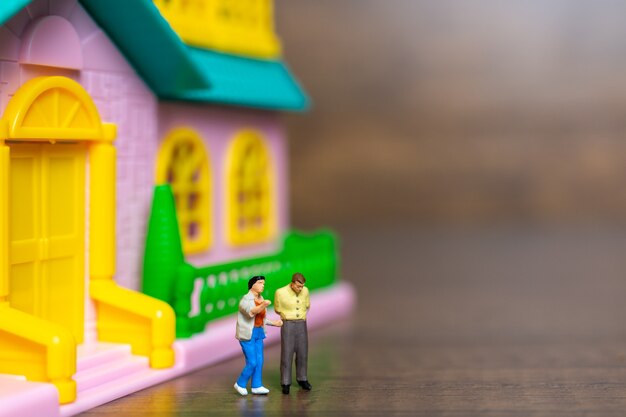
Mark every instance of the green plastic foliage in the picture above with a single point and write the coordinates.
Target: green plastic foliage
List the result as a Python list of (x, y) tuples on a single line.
[(223, 285), (163, 256)]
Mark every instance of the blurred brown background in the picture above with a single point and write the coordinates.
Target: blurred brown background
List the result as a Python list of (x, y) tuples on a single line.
[(457, 112)]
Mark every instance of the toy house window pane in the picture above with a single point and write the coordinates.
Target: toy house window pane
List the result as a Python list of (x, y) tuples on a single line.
[(250, 183), (192, 230), (184, 164), (192, 201)]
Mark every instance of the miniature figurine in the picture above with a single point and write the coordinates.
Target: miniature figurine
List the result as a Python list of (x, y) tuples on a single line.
[(251, 321), (292, 303)]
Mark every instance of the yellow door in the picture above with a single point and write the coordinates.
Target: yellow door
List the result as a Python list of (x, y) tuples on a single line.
[(47, 232)]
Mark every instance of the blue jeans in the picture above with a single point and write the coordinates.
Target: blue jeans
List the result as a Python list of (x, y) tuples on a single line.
[(253, 352)]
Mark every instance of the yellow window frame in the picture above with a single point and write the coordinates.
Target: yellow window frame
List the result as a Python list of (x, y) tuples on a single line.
[(184, 164), (250, 186)]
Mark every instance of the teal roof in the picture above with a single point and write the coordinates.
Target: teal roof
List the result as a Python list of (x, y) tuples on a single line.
[(176, 71), (149, 44), (244, 81), (8, 8)]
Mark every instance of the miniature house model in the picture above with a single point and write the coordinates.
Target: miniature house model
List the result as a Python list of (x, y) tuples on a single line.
[(143, 180)]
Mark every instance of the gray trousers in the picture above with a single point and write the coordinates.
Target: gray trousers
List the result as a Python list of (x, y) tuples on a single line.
[(293, 339)]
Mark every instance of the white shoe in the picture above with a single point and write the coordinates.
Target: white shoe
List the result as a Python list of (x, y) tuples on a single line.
[(242, 391), (260, 391)]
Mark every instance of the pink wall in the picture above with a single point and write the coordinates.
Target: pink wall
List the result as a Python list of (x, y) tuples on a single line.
[(123, 99)]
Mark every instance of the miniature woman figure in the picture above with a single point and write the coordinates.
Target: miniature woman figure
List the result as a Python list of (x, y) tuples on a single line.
[(251, 321)]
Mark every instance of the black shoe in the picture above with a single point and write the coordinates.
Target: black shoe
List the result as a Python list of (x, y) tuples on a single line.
[(285, 389), (305, 385)]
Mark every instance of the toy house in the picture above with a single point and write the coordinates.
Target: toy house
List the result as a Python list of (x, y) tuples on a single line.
[(143, 180)]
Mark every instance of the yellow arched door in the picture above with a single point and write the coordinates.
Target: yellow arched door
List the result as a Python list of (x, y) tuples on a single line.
[(48, 130), (47, 232), (51, 122)]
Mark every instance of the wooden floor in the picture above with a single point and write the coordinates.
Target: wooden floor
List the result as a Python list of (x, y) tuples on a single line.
[(498, 323)]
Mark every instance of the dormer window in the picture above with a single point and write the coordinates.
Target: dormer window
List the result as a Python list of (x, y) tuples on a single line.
[(241, 27)]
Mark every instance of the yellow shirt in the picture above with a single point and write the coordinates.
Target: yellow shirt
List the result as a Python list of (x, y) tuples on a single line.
[(291, 306)]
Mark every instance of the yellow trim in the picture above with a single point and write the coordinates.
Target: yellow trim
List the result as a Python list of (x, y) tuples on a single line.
[(244, 28), (250, 186), (4, 130), (102, 210), (109, 132), (126, 316), (181, 156), (5, 154), (51, 109), (40, 350)]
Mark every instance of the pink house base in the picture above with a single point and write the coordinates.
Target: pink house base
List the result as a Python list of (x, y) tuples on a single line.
[(108, 371)]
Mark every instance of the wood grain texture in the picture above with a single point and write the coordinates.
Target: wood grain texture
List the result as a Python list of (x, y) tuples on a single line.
[(502, 322)]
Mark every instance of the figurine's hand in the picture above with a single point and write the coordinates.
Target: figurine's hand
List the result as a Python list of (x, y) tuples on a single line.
[(278, 323), (266, 303)]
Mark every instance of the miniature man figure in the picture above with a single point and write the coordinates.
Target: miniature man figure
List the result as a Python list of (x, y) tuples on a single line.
[(251, 321), (292, 303)]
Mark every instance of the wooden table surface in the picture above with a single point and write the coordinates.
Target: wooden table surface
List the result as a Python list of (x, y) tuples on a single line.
[(504, 322)]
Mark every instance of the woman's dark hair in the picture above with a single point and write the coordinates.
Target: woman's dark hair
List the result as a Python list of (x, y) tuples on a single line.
[(254, 279)]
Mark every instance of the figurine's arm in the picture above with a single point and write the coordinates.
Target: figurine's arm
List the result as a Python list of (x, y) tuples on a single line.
[(248, 307), (277, 305), (257, 309), (275, 323), (245, 306), (307, 300)]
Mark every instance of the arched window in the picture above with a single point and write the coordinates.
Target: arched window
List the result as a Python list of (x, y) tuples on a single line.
[(251, 215), (183, 163)]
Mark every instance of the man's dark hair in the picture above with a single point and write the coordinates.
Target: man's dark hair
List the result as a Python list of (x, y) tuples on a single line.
[(254, 279), (298, 277)]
